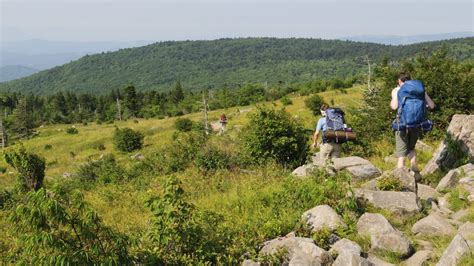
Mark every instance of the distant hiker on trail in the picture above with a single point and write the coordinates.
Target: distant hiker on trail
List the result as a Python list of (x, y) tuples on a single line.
[(411, 101), (223, 121), (329, 148)]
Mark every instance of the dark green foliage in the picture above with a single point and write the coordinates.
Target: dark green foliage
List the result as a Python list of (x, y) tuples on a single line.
[(131, 101), (60, 228), (29, 166), (389, 183), (286, 101), (48, 147), (220, 63), (105, 170), (274, 134), (174, 233), (128, 140), (212, 157), (72, 131), (6, 199), (183, 124), (314, 103), (180, 153), (23, 122), (3, 169)]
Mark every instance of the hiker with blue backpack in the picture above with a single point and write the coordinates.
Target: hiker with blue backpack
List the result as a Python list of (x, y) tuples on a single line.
[(411, 102), (328, 148)]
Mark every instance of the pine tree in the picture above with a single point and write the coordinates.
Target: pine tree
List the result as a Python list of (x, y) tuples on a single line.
[(22, 119), (131, 101), (177, 94)]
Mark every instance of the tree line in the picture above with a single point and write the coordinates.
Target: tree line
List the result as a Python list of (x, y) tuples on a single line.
[(22, 113)]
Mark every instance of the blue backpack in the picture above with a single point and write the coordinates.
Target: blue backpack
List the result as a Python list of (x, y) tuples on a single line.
[(411, 105), (335, 119)]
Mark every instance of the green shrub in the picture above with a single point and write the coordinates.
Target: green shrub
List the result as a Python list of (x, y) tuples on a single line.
[(285, 100), (273, 134), (105, 170), (48, 147), (174, 233), (212, 158), (72, 130), (5, 199), (128, 140), (60, 228), (29, 166), (314, 103), (183, 124), (3, 169), (389, 183)]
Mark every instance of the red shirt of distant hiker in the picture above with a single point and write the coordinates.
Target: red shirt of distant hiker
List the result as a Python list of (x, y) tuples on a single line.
[(406, 139)]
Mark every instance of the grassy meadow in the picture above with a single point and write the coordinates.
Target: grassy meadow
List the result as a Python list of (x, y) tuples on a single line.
[(251, 202)]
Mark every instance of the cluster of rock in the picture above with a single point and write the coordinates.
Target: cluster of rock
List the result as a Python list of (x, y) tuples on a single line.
[(440, 221)]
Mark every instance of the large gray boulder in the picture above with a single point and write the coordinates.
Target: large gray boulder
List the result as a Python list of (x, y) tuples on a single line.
[(420, 258), (433, 225), (378, 262), (358, 167), (321, 217), (406, 179), (451, 179), (426, 192), (460, 131), (300, 251), (345, 245), (351, 259), (461, 245), (383, 237), (399, 203)]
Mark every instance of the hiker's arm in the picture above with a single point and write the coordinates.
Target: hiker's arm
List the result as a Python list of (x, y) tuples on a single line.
[(394, 101), (315, 137), (429, 102)]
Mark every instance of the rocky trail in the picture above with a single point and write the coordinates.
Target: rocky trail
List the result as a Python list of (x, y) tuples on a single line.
[(429, 206)]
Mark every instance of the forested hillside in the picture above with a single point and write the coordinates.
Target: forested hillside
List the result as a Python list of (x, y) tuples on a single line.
[(222, 63)]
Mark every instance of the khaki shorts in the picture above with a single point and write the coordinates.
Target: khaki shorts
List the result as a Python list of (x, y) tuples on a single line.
[(405, 141), (330, 150)]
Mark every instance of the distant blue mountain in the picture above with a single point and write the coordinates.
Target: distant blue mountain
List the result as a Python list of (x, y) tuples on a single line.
[(44, 54), (15, 72), (402, 40)]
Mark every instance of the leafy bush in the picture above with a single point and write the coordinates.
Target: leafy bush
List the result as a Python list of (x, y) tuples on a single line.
[(72, 130), (60, 228), (314, 103), (389, 183), (177, 228), (128, 140), (3, 169), (183, 124), (286, 101), (212, 158), (105, 170), (274, 135), (29, 166), (48, 147), (180, 153)]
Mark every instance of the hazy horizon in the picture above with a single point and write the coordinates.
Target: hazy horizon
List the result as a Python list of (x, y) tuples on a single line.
[(143, 20)]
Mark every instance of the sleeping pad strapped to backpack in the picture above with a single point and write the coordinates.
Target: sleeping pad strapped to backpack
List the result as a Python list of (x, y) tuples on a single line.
[(336, 129)]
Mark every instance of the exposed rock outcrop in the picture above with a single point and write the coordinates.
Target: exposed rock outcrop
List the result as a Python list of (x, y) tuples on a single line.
[(300, 251), (321, 217), (460, 131), (383, 236), (400, 203), (433, 225)]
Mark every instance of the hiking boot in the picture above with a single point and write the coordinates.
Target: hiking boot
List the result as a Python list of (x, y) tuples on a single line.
[(416, 173)]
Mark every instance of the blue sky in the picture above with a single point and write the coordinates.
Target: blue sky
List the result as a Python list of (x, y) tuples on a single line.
[(127, 20)]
